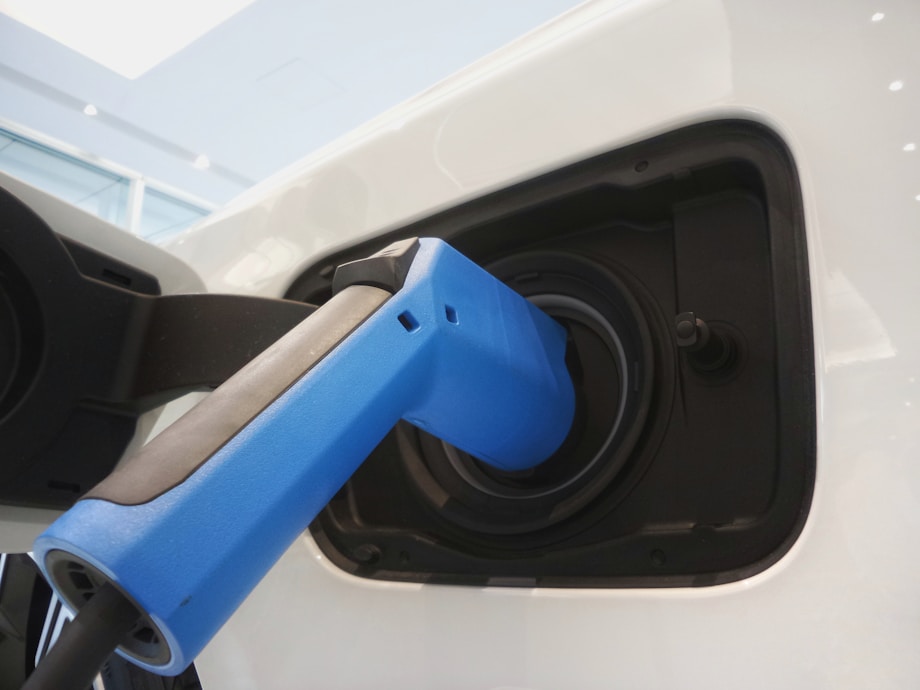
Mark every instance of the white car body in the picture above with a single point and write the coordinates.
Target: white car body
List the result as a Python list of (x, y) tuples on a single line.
[(839, 86)]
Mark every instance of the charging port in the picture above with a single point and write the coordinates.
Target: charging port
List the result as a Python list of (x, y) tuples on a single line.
[(682, 284), (611, 362)]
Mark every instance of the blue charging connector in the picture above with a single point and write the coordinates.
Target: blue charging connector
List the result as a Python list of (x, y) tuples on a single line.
[(189, 525)]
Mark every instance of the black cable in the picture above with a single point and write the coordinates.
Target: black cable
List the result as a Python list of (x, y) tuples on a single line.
[(85, 643)]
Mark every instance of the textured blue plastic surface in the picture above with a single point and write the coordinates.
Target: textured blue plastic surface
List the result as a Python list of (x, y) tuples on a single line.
[(454, 351)]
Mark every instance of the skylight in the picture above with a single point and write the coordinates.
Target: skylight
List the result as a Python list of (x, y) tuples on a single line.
[(129, 37)]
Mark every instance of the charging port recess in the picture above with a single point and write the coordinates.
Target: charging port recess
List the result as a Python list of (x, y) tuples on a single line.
[(678, 266)]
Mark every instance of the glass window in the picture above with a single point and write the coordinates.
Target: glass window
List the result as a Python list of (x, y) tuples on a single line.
[(93, 188), (162, 216)]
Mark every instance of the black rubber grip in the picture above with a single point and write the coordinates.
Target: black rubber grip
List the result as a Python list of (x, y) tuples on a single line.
[(175, 454)]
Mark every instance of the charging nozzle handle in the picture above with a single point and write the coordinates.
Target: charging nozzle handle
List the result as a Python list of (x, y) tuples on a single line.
[(189, 525)]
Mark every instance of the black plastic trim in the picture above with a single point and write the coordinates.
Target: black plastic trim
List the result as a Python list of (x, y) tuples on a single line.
[(87, 344), (387, 269)]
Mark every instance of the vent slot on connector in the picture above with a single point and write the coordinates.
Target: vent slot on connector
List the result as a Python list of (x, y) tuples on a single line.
[(678, 266)]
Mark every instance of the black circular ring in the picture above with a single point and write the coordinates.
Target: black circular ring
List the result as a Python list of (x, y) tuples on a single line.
[(612, 366)]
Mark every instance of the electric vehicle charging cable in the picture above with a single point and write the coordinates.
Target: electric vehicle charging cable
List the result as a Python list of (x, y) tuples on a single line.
[(85, 643), (158, 555)]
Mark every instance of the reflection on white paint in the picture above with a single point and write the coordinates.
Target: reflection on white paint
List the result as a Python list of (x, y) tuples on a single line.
[(272, 256), (910, 146), (896, 85), (878, 16), (509, 99), (856, 333)]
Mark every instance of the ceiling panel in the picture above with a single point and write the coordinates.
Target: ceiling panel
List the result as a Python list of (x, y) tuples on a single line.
[(261, 90)]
